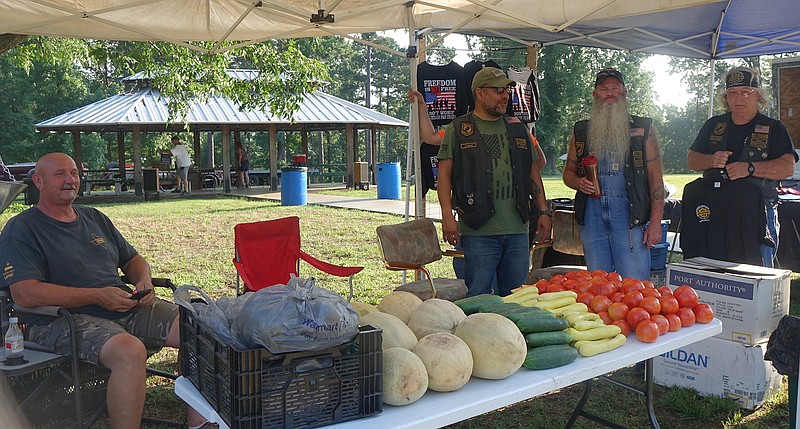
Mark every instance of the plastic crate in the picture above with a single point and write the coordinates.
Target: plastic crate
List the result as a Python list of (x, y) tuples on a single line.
[(255, 389), (664, 229), (54, 405), (658, 256)]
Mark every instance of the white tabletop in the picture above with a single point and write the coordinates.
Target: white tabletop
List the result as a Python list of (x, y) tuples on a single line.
[(480, 396)]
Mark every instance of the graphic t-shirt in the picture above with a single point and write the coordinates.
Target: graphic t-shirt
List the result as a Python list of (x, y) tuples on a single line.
[(524, 101), (470, 69), (445, 89)]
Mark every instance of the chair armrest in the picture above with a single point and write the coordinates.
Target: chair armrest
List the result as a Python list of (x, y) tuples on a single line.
[(157, 282), (336, 270), (44, 310)]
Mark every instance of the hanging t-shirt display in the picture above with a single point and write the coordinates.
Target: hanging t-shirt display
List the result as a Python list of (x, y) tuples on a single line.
[(524, 101), (470, 69), (445, 89)]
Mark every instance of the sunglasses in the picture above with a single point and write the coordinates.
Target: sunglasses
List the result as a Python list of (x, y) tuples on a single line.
[(499, 90), (743, 93)]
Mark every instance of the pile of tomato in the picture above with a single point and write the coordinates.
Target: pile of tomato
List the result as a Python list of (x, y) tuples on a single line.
[(633, 305)]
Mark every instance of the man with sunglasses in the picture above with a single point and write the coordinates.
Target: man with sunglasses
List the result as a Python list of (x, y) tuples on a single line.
[(744, 144), (488, 175), (621, 212)]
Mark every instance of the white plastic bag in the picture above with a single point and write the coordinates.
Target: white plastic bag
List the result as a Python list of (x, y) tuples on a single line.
[(299, 316)]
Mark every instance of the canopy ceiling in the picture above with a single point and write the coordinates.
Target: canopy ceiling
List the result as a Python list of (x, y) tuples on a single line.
[(691, 28)]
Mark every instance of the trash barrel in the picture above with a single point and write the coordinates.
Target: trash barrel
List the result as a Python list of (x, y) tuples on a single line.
[(388, 180), (293, 186)]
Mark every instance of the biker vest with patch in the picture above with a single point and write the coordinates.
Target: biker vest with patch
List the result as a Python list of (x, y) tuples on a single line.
[(635, 169), (757, 148), (472, 171)]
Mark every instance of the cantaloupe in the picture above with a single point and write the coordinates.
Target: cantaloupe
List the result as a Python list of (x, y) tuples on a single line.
[(399, 303), (363, 308), (498, 347), (435, 315), (447, 359), (395, 332), (404, 377)]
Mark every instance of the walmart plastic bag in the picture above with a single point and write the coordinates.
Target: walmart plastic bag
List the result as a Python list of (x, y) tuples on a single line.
[(299, 316), (218, 316)]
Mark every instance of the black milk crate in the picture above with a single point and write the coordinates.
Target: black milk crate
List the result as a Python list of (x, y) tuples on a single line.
[(255, 389), (54, 405)]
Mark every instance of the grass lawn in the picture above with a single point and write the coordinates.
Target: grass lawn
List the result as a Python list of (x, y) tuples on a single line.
[(191, 241)]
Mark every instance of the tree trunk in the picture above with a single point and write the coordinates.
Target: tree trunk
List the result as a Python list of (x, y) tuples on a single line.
[(8, 41)]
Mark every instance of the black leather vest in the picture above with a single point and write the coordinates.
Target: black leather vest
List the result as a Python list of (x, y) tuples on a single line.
[(635, 169), (472, 171)]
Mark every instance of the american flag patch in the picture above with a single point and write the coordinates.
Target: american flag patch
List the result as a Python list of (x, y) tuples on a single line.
[(762, 129), (637, 132)]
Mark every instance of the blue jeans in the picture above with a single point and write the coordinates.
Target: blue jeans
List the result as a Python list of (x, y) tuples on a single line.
[(503, 256), (609, 243), (768, 253)]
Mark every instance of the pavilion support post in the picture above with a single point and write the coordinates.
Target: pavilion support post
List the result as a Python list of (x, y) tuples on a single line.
[(76, 150), (210, 149), (304, 142), (371, 153), (121, 157), (273, 158), (196, 146), (350, 144), (532, 58), (136, 138), (226, 158)]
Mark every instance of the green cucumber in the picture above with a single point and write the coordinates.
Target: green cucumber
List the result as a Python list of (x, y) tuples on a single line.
[(541, 324), (473, 304), (538, 339), (552, 356)]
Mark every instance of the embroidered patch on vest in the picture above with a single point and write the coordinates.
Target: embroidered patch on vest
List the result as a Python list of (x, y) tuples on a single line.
[(719, 129), (759, 140), (467, 129), (521, 143), (579, 146), (469, 145), (637, 132), (715, 139), (638, 159), (703, 213)]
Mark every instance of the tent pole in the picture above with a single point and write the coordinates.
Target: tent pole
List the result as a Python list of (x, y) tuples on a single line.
[(713, 64)]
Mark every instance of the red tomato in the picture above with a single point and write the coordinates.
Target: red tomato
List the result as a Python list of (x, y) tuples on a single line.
[(585, 298), (557, 278), (602, 288), (687, 317), (648, 284), (632, 298), (664, 291), (686, 296), (554, 287), (651, 304), (614, 276), (600, 273), (662, 322), (630, 284), (599, 303), (636, 315), (617, 297), (623, 326), (606, 318), (618, 310), (571, 274), (703, 313), (669, 304), (674, 322), (541, 285), (647, 331), (650, 292), (583, 286), (569, 284)]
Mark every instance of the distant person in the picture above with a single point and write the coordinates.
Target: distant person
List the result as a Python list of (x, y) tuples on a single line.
[(67, 255), (621, 221), (242, 167), (489, 177), (182, 162), (743, 146)]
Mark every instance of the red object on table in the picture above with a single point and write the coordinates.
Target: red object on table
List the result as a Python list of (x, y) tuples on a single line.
[(590, 166)]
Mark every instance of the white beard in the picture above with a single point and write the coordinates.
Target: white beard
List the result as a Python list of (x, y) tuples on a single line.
[(609, 128)]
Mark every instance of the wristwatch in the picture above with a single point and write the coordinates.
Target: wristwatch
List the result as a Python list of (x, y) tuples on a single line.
[(750, 169), (546, 212)]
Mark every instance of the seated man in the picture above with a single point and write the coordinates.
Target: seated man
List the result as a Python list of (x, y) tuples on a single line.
[(58, 253)]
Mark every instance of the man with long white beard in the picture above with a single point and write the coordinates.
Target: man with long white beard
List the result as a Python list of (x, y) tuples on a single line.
[(621, 220)]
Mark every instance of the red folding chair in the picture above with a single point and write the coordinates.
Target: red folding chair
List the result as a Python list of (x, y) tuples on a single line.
[(267, 252)]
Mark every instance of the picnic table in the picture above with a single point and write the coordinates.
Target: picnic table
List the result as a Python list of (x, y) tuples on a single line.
[(480, 396)]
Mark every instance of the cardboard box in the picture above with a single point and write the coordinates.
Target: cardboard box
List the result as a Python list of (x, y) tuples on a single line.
[(749, 300), (717, 367)]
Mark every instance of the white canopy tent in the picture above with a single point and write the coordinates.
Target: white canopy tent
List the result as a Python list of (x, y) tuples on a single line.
[(710, 29)]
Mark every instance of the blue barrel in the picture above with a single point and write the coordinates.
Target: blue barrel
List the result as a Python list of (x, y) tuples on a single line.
[(388, 180), (293, 186)]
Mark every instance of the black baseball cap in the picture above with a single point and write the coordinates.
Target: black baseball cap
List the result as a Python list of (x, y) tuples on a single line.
[(741, 76), (608, 72)]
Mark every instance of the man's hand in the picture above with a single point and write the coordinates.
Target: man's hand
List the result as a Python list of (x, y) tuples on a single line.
[(586, 186), (652, 235), (720, 159), (737, 170), (150, 297), (544, 226), (450, 230), (115, 299)]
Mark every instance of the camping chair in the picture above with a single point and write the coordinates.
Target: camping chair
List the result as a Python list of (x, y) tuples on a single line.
[(267, 252), (50, 384), (411, 246)]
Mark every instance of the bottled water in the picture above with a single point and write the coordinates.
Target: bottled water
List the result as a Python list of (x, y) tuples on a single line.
[(14, 342)]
